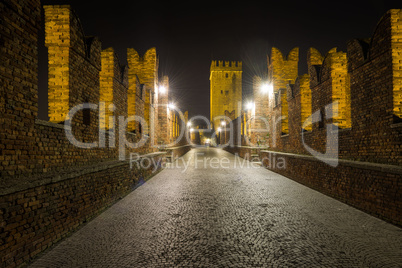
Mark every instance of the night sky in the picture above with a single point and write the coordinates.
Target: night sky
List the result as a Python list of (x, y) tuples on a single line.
[(188, 36)]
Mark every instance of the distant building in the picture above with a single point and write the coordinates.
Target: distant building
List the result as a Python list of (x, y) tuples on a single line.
[(226, 89)]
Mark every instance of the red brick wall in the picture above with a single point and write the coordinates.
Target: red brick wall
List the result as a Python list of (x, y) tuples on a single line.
[(35, 218), (374, 136), (374, 189), (372, 147), (18, 82), (48, 186)]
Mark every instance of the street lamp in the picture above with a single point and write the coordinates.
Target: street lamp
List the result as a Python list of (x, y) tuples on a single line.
[(172, 106), (267, 88), (250, 105), (162, 89), (223, 124)]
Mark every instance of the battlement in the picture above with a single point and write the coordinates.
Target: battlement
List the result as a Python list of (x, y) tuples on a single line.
[(226, 65), (146, 69), (358, 91), (225, 88), (348, 108), (282, 69)]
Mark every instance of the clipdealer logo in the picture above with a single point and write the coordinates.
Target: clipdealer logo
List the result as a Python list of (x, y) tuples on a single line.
[(330, 156)]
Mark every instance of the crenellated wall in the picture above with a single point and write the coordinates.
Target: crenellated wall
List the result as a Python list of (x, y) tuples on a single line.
[(74, 63), (360, 82), (51, 184), (338, 127), (282, 70), (146, 69), (113, 93), (163, 112)]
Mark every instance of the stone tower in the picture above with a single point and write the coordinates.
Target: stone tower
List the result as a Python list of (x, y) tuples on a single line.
[(226, 89)]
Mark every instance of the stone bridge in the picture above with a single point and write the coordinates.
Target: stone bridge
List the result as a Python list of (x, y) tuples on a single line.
[(114, 175)]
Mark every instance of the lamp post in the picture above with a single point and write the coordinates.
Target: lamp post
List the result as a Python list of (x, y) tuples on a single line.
[(219, 135), (223, 124)]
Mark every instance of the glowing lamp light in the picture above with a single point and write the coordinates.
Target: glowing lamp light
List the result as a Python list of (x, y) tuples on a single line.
[(172, 106), (162, 90), (219, 129), (250, 105), (267, 88), (191, 129), (223, 123), (189, 124)]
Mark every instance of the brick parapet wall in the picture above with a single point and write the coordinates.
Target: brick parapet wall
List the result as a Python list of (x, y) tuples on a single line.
[(373, 135), (49, 186), (370, 149), (37, 217), (373, 188)]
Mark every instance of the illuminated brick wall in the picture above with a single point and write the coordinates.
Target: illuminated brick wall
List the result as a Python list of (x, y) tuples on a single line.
[(261, 113), (146, 69), (225, 88), (282, 71), (340, 82), (113, 93), (372, 66), (396, 48), (305, 96), (133, 89), (284, 111), (60, 185), (314, 57), (106, 86), (365, 81), (58, 42), (163, 112), (136, 92), (73, 65)]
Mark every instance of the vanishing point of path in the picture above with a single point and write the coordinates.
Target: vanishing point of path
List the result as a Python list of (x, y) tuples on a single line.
[(206, 216)]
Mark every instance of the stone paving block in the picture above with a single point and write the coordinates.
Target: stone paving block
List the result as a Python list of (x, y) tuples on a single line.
[(232, 217)]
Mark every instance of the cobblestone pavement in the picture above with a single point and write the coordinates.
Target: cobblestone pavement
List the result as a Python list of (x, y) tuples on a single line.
[(228, 217)]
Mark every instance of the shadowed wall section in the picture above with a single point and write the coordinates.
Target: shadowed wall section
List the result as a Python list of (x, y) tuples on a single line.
[(49, 185), (337, 128)]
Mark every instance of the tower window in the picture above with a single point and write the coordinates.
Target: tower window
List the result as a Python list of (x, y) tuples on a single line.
[(221, 91), (227, 75)]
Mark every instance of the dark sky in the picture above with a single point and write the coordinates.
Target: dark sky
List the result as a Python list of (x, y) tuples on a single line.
[(188, 36)]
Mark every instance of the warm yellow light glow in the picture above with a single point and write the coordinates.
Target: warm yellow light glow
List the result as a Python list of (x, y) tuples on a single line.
[(223, 123), (191, 129), (172, 106), (57, 40), (250, 105), (219, 129), (162, 90), (267, 88), (189, 124)]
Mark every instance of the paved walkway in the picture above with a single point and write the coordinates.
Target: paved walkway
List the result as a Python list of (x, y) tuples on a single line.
[(228, 217)]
